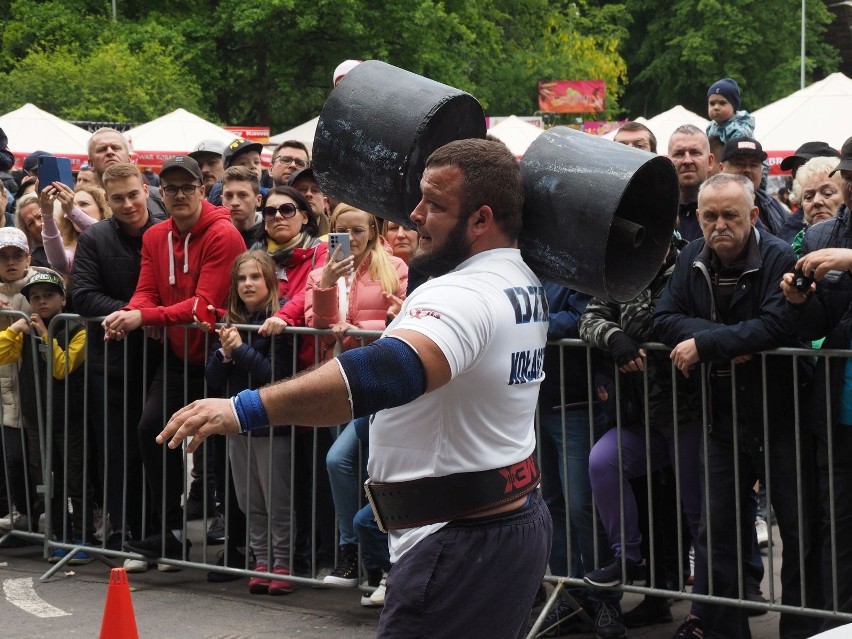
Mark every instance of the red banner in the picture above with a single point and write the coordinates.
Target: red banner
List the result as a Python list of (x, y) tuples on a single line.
[(572, 96), (253, 133)]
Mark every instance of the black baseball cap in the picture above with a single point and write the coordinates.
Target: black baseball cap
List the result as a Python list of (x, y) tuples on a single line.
[(298, 175), (45, 276), (807, 151), (743, 146), (182, 163), (238, 147), (845, 158)]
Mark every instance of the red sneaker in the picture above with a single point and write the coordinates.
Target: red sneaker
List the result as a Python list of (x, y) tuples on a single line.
[(259, 585), (279, 587)]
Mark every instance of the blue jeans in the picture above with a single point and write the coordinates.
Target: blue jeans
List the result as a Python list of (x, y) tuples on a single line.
[(345, 475), (565, 480), (374, 543)]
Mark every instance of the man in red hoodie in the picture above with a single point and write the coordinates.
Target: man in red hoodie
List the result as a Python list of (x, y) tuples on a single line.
[(186, 263)]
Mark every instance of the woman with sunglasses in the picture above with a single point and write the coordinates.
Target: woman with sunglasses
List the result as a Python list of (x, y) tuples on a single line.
[(290, 236)]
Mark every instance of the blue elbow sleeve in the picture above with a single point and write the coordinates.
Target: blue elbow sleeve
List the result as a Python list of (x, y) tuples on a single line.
[(381, 375)]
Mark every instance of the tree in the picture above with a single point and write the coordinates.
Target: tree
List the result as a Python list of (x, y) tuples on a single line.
[(678, 48)]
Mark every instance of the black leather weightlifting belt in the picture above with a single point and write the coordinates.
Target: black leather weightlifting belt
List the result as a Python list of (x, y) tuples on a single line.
[(431, 500)]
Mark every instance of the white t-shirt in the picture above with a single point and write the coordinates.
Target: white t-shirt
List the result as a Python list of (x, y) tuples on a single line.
[(489, 318)]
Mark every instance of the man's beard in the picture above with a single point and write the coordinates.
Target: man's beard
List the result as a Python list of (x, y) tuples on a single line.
[(455, 250)]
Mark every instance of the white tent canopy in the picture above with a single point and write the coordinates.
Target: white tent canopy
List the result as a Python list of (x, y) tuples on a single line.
[(819, 112), (32, 129), (175, 133), (515, 134), (663, 125), (303, 133)]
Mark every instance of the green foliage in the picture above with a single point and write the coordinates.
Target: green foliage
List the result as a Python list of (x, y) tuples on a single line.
[(248, 62), (677, 49)]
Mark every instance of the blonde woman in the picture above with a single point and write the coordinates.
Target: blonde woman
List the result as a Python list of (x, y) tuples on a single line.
[(358, 291)]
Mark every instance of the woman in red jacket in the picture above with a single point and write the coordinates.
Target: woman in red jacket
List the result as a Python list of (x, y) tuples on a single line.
[(290, 236)]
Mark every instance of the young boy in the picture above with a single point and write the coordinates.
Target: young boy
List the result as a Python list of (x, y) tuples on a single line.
[(723, 100), (45, 293), (23, 512)]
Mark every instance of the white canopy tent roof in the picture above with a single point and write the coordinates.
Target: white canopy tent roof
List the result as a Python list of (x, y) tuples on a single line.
[(515, 134), (303, 133), (663, 125), (173, 134), (819, 112), (32, 129)]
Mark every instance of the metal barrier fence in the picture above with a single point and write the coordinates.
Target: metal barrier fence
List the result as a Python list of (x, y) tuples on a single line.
[(82, 432)]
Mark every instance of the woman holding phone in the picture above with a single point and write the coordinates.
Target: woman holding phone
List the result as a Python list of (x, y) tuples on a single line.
[(361, 291)]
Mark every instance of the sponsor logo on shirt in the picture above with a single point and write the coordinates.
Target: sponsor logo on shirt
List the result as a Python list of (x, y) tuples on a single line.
[(420, 313), (526, 366), (528, 302)]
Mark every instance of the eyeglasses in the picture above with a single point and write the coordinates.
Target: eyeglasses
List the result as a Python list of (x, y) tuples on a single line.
[(286, 211), (355, 231), (186, 189), (287, 160)]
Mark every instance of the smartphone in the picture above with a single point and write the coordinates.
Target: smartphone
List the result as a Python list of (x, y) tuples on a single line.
[(341, 240), (52, 169)]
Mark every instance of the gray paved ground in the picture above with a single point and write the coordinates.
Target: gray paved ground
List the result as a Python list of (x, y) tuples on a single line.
[(184, 605)]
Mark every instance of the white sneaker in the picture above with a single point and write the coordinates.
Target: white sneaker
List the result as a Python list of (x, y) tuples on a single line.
[(168, 568), (377, 598), (135, 565), (13, 520), (762, 532)]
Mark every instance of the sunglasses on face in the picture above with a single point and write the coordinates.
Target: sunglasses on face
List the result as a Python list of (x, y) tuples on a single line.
[(286, 211)]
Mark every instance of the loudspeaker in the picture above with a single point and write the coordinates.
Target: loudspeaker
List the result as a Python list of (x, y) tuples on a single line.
[(376, 130), (598, 215)]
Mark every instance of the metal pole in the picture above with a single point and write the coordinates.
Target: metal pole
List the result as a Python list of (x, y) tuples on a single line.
[(115, 12), (802, 74)]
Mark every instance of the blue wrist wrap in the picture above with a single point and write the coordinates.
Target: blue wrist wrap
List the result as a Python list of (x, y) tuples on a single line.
[(250, 410), (383, 374)]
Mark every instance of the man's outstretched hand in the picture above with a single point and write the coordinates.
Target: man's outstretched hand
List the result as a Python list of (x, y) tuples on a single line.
[(199, 420)]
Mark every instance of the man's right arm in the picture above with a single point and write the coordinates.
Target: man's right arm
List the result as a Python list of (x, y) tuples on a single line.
[(320, 397)]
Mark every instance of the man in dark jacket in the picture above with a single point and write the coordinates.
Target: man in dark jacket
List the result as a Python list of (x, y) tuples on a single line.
[(722, 306), (106, 270)]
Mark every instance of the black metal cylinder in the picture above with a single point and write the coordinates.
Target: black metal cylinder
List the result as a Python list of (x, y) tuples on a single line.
[(598, 215), (376, 130)]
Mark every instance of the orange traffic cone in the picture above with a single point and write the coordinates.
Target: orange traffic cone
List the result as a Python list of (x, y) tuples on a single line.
[(119, 621)]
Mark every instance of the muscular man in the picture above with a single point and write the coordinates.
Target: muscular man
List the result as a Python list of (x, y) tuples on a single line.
[(454, 381), (689, 150), (721, 306)]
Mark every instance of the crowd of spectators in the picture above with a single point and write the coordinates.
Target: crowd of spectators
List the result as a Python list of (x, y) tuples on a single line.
[(213, 239)]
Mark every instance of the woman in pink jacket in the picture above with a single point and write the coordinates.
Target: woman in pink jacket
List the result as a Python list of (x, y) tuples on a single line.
[(361, 292), (356, 292)]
